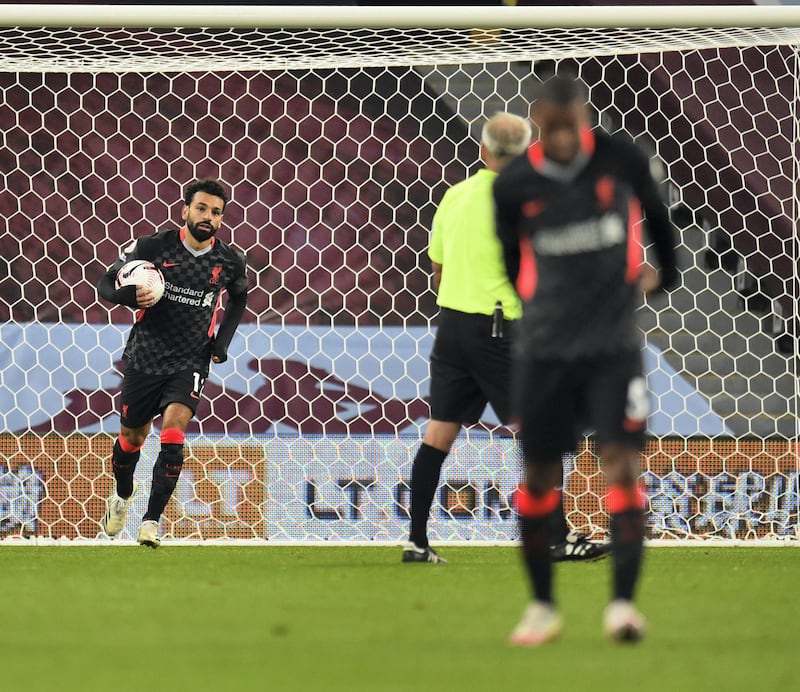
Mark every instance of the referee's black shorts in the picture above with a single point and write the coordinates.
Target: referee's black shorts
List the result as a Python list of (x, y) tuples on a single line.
[(469, 367)]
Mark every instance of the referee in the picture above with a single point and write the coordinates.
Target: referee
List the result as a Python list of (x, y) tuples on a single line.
[(471, 357)]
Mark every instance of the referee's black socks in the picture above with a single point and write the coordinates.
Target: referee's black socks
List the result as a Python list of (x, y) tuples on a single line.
[(535, 522), (626, 507), (124, 458), (425, 474)]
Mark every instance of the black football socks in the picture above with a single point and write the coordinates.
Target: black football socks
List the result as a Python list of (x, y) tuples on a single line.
[(425, 474), (626, 507), (165, 472), (124, 458), (535, 521)]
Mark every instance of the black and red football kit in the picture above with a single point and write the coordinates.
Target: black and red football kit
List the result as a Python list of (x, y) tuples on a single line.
[(171, 343), (571, 236)]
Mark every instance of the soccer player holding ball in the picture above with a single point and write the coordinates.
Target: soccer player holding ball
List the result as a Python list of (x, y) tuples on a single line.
[(567, 217), (171, 343)]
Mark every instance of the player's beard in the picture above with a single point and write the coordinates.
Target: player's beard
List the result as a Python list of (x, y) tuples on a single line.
[(201, 231)]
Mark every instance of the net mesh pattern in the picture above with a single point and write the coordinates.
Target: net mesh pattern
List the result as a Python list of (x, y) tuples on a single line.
[(337, 146)]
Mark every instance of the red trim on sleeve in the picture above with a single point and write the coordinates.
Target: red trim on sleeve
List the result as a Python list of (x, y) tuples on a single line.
[(635, 251), (214, 316), (529, 505), (172, 436), (528, 274), (623, 499)]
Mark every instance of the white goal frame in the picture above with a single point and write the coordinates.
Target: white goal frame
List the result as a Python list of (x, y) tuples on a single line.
[(403, 16)]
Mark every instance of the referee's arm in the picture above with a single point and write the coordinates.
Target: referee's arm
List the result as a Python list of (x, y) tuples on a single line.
[(436, 246), (437, 275)]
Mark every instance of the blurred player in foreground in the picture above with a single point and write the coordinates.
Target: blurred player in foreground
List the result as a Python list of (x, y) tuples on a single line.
[(568, 214), (170, 345), (471, 357)]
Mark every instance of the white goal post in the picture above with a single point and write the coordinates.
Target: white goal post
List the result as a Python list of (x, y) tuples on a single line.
[(338, 129), (403, 17)]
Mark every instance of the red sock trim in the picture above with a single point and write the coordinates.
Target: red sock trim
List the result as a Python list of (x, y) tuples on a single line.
[(172, 436), (126, 446), (530, 505), (623, 499)]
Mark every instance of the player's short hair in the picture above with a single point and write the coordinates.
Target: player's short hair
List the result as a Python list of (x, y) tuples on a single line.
[(208, 185), (505, 135), (560, 89)]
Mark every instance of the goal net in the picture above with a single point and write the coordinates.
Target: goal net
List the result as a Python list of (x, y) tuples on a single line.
[(337, 144)]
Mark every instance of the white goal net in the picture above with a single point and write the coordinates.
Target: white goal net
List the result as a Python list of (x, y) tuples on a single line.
[(337, 145)]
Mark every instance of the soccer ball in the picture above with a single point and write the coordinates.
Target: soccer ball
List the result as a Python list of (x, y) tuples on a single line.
[(141, 273)]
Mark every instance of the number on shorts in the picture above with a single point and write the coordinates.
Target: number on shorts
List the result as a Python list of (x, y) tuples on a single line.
[(198, 380), (638, 401)]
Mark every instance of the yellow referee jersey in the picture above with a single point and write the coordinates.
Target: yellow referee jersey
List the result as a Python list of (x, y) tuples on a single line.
[(464, 242)]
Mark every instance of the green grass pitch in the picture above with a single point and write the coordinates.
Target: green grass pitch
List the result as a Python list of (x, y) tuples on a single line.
[(351, 618)]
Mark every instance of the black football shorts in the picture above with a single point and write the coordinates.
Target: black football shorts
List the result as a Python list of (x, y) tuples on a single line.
[(145, 396), (469, 367), (558, 401)]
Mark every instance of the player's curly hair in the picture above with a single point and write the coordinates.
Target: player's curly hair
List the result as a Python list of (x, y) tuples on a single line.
[(208, 185)]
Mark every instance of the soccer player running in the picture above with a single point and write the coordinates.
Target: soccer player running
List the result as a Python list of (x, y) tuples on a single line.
[(471, 357), (169, 347), (567, 217)]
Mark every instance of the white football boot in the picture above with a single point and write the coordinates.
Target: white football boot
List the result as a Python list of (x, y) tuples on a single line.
[(148, 534), (117, 511), (540, 623), (623, 623)]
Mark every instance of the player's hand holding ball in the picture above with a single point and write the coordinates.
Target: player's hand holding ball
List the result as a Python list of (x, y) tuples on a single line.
[(146, 296), (147, 278)]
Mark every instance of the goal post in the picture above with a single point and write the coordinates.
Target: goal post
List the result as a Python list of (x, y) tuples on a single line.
[(403, 17), (338, 130)]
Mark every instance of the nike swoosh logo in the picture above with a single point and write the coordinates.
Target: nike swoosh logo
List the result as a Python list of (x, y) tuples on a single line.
[(170, 264)]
